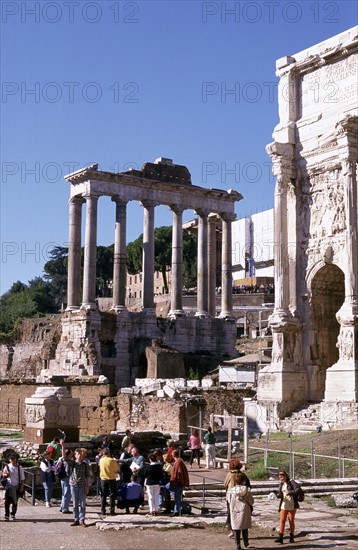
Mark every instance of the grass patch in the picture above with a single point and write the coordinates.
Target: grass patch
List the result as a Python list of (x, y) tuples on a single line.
[(11, 434), (331, 502)]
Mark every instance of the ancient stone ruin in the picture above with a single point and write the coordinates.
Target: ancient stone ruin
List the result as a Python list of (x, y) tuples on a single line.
[(314, 156), (114, 343)]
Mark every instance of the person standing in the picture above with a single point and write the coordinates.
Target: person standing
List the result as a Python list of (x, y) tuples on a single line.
[(78, 474), (15, 483), (179, 480), (54, 448), (108, 469), (194, 446), (47, 469), (61, 471), (126, 441), (209, 440), (231, 480), (240, 502), (287, 493), (153, 478)]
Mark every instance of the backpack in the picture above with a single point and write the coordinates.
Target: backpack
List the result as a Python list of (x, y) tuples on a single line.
[(51, 449), (300, 493), (60, 470)]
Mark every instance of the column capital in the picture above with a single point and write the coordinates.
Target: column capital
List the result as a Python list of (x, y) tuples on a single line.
[(149, 204), (176, 208), (76, 199), (228, 216), (202, 212), (119, 200), (91, 195)]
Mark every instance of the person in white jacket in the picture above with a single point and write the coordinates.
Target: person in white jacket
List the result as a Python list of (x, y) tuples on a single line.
[(47, 468), (240, 501)]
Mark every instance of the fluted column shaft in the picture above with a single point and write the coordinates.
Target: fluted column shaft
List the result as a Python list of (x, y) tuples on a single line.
[(148, 256), (177, 263), (119, 258), (351, 207), (226, 269), (89, 269), (281, 252), (212, 221), (74, 254), (202, 278)]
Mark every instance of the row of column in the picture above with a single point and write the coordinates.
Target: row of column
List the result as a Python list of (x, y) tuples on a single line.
[(206, 277)]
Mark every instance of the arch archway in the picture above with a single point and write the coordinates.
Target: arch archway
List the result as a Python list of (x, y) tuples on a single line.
[(327, 296)]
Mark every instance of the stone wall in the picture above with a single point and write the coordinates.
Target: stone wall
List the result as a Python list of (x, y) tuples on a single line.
[(102, 411), (34, 345)]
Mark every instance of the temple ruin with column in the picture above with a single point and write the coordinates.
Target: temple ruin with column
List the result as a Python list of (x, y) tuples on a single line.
[(113, 343), (314, 156)]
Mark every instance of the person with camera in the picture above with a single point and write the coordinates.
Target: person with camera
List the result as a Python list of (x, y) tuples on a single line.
[(15, 478), (288, 492)]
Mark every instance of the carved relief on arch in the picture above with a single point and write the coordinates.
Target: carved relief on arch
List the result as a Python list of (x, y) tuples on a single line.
[(326, 205)]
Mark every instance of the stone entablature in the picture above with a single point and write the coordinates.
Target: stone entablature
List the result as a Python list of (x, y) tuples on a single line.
[(314, 155)]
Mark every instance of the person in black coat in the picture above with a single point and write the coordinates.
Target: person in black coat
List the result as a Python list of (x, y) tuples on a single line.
[(288, 492)]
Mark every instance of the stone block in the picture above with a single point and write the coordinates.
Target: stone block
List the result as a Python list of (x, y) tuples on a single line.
[(151, 388), (170, 392), (160, 393)]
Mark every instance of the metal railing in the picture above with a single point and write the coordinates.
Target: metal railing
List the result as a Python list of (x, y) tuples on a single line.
[(341, 460)]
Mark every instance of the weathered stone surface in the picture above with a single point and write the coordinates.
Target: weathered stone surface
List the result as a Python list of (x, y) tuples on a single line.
[(314, 156)]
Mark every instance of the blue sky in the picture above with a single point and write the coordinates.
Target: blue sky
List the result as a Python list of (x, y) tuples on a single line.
[(122, 83)]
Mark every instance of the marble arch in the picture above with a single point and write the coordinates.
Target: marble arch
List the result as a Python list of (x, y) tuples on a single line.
[(314, 156)]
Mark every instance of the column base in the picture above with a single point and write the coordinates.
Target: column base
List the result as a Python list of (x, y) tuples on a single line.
[(202, 314), (91, 306), (176, 313), (228, 316), (282, 382), (342, 382), (73, 308)]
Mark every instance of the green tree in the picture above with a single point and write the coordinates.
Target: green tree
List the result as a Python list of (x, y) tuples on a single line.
[(163, 255), (16, 304), (104, 270), (56, 274)]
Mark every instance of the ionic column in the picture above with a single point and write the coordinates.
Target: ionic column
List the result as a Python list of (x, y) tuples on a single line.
[(212, 221), (226, 268), (148, 256), (202, 278), (74, 254), (119, 258), (89, 269), (177, 263)]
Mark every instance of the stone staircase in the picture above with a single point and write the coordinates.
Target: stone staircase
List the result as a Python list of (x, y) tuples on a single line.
[(305, 419), (211, 498)]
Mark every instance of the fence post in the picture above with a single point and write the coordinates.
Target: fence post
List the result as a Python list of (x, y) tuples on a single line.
[(229, 438), (339, 458), (246, 440), (312, 459), (203, 492), (33, 476), (291, 459)]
